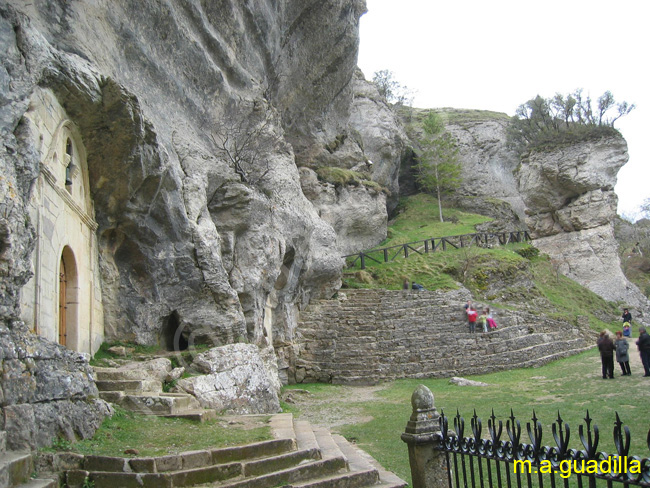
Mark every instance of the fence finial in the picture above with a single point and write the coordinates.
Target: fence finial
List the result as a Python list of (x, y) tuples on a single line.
[(424, 417)]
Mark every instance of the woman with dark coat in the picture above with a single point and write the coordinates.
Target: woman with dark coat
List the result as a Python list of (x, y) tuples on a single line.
[(643, 343), (622, 356), (606, 348)]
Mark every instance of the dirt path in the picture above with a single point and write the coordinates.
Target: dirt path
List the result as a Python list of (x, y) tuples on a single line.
[(335, 410)]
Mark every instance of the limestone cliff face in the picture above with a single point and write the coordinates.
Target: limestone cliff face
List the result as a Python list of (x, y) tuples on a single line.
[(564, 197), (147, 84), (488, 185), (571, 209), (488, 166), (219, 242), (374, 143)]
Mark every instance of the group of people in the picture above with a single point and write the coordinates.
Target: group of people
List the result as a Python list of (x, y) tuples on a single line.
[(620, 346), (414, 285), (485, 320)]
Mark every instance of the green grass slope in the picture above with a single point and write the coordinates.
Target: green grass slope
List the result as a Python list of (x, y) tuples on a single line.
[(513, 276)]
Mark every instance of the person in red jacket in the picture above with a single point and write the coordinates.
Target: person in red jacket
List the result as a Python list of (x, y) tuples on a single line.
[(471, 319)]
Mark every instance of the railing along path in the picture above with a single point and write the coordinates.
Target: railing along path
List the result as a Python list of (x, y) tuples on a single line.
[(433, 244)]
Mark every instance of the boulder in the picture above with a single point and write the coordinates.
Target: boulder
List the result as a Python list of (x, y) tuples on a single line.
[(235, 380), (465, 382)]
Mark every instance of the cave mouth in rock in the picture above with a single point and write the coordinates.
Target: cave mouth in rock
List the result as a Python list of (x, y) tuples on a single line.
[(287, 263), (172, 338)]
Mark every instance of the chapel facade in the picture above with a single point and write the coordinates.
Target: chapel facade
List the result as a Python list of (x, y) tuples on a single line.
[(62, 301)]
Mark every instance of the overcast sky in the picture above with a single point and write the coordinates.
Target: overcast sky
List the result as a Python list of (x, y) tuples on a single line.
[(495, 55)]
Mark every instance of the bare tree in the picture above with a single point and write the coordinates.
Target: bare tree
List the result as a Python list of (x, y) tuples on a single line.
[(246, 138)]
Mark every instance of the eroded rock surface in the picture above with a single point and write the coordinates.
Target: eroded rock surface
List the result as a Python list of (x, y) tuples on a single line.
[(570, 211), (235, 380), (46, 391)]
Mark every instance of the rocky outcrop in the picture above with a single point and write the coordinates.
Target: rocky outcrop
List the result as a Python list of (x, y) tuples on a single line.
[(488, 185), (372, 142), (563, 195), (570, 211), (234, 379), (357, 213), (181, 234), (46, 391)]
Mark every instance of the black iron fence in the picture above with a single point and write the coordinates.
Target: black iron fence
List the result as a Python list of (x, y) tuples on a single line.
[(500, 461), (434, 244), (442, 457)]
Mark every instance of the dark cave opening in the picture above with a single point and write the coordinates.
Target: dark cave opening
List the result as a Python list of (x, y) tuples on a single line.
[(172, 338)]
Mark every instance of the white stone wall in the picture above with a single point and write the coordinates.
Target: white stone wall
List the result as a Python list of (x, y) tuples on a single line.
[(63, 217)]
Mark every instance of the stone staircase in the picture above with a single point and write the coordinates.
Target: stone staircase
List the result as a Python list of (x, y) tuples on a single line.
[(138, 392), (375, 335), (297, 456), (16, 467)]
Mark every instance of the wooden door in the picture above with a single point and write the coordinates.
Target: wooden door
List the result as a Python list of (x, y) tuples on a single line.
[(62, 303)]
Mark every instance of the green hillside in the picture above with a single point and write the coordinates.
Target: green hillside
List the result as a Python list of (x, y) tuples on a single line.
[(513, 276)]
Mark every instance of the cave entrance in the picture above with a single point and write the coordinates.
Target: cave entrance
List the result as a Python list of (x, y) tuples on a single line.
[(285, 270), (172, 338)]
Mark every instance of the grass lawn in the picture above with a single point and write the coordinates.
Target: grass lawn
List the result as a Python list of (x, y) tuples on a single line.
[(571, 386), (159, 436)]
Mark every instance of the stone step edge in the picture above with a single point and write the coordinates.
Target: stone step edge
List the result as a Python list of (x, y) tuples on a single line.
[(373, 380), (344, 362), (210, 476), (327, 445), (303, 472), (185, 460), (282, 427), (17, 465), (349, 479), (197, 415), (40, 483), (247, 469), (305, 437), (360, 459)]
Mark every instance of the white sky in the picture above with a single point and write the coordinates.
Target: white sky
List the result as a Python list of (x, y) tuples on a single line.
[(495, 55)]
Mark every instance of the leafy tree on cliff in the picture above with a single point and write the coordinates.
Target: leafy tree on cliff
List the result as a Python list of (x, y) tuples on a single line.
[(565, 119), (391, 89), (438, 169)]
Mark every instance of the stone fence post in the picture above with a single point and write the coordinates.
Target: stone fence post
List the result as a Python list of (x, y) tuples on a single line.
[(428, 464)]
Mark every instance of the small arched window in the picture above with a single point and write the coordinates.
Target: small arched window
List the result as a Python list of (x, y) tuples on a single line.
[(69, 169)]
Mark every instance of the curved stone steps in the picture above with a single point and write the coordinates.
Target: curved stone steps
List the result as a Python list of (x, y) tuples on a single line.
[(382, 334), (146, 396), (299, 456)]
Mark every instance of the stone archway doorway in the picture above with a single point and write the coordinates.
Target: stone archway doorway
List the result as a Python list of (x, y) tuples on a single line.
[(68, 299)]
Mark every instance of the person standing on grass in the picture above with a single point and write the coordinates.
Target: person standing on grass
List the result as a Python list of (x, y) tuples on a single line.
[(643, 343), (627, 316), (622, 356), (627, 323), (606, 348)]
